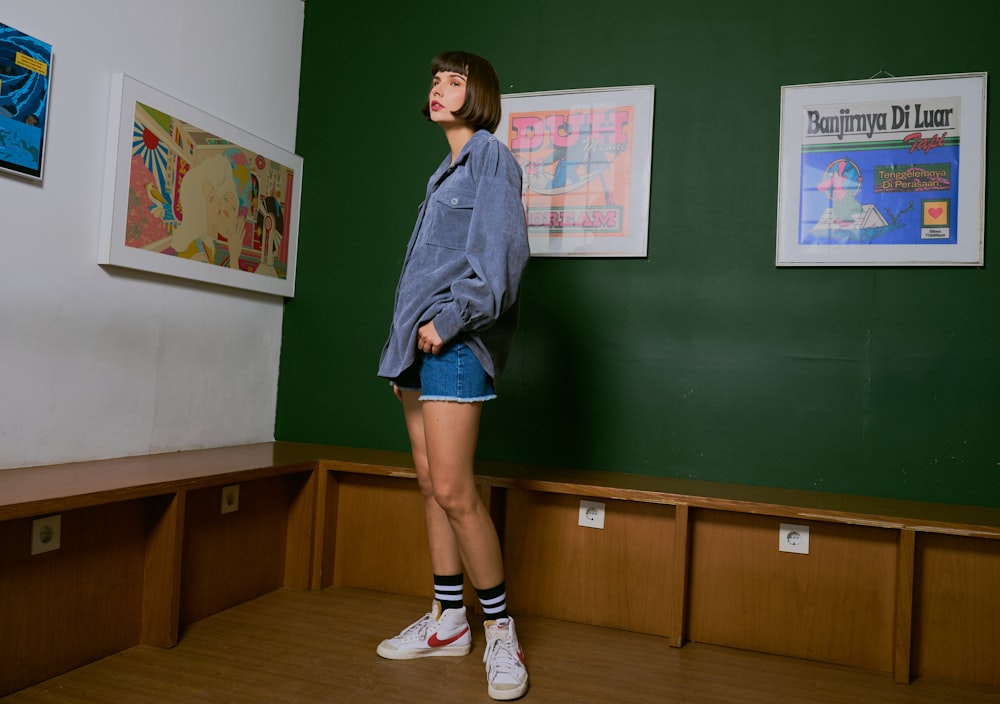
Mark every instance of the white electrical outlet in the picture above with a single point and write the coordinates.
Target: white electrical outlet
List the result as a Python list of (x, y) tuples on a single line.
[(46, 534), (793, 538), (591, 514), (230, 498)]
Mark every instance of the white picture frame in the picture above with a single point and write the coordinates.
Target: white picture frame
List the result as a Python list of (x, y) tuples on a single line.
[(585, 194), (883, 172), (160, 151)]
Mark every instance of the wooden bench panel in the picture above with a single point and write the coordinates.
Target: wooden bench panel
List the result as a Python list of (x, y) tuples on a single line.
[(621, 576), (835, 604), (957, 609), (230, 558), (381, 536), (65, 608)]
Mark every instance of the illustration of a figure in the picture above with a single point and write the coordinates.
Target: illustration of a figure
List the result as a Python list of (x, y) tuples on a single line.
[(268, 230), (210, 204), (841, 183), (568, 168)]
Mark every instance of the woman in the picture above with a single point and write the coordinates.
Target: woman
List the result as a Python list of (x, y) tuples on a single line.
[(453, 324)]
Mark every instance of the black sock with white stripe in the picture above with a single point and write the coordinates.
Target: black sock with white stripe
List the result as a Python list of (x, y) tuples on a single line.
[(448, 591), (494, 601)]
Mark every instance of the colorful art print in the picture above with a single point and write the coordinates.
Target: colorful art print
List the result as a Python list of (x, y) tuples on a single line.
[(585, 159), (25, 75), (884, 172), (191, 196)]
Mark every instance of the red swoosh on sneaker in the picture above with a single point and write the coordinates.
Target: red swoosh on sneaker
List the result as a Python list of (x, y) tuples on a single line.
[(436, 642)]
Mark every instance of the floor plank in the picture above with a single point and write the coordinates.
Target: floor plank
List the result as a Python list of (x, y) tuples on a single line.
[(302, 647)]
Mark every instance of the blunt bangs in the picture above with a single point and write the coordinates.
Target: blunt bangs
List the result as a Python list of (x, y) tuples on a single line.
[(482, 88)]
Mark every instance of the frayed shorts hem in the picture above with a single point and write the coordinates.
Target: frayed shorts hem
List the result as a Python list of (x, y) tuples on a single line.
[(455, 399)]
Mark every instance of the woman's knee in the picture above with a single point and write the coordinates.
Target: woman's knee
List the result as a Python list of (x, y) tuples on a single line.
[(426, 488), (456, 501)]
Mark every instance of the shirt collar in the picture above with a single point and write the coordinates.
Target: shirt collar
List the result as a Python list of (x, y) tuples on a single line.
[(447, 166)]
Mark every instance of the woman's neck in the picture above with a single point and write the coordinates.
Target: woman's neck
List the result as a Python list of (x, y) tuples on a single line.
[(457, 136)]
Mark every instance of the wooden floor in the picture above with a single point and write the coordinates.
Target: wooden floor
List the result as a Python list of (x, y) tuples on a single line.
[(293, 647)]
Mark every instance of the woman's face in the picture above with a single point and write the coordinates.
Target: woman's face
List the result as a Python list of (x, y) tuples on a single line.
[(447, 96), (221, 208)]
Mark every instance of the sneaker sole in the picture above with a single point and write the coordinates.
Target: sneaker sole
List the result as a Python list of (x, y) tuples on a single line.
[(444, 651), (505, 695)]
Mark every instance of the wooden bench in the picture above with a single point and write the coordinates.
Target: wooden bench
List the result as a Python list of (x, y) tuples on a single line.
[(146, 550), (699, 560), (137, 534)]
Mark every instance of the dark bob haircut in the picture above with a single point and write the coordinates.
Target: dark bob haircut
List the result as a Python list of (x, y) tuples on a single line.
[(482, 88)]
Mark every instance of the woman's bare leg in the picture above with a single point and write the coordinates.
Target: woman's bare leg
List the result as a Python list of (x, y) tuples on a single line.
[(445, 556), (443, 436)]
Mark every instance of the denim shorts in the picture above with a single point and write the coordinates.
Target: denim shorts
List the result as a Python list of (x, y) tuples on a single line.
[(454, 374)]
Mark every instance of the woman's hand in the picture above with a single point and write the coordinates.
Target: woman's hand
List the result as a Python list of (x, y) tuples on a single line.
[(428, 341)]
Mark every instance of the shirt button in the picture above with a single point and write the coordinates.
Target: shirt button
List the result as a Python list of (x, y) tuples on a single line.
[(454, 201)]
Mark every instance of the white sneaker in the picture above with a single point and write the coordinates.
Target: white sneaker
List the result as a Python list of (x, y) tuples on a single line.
[(435, 634), (506, 675)]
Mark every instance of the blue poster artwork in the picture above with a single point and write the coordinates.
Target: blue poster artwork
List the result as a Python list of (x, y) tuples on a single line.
[(881, 173), (25, 71)]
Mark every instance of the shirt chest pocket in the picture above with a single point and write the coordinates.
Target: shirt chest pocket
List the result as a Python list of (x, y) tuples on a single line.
[(452, 217)]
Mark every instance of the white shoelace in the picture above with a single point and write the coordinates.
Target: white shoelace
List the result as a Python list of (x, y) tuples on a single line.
[(501, 658), (418, 629)]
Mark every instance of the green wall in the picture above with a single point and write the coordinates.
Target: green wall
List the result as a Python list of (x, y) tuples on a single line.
[(702, 360)]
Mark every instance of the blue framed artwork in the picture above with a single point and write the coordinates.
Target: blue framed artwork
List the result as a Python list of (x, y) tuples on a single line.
[(885, 172), (25, 75)]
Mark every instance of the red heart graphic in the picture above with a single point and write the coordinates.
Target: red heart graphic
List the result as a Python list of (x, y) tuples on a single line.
[(935, 212)]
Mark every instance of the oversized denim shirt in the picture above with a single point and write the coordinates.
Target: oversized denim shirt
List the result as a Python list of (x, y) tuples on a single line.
[(464, 260)]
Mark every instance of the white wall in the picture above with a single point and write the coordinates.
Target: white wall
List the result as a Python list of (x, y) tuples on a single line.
[(97, 363)]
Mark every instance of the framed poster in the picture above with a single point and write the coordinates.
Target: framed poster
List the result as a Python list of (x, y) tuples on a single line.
[(887, 172), (25, 75), (585, 157), (191, 196)]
